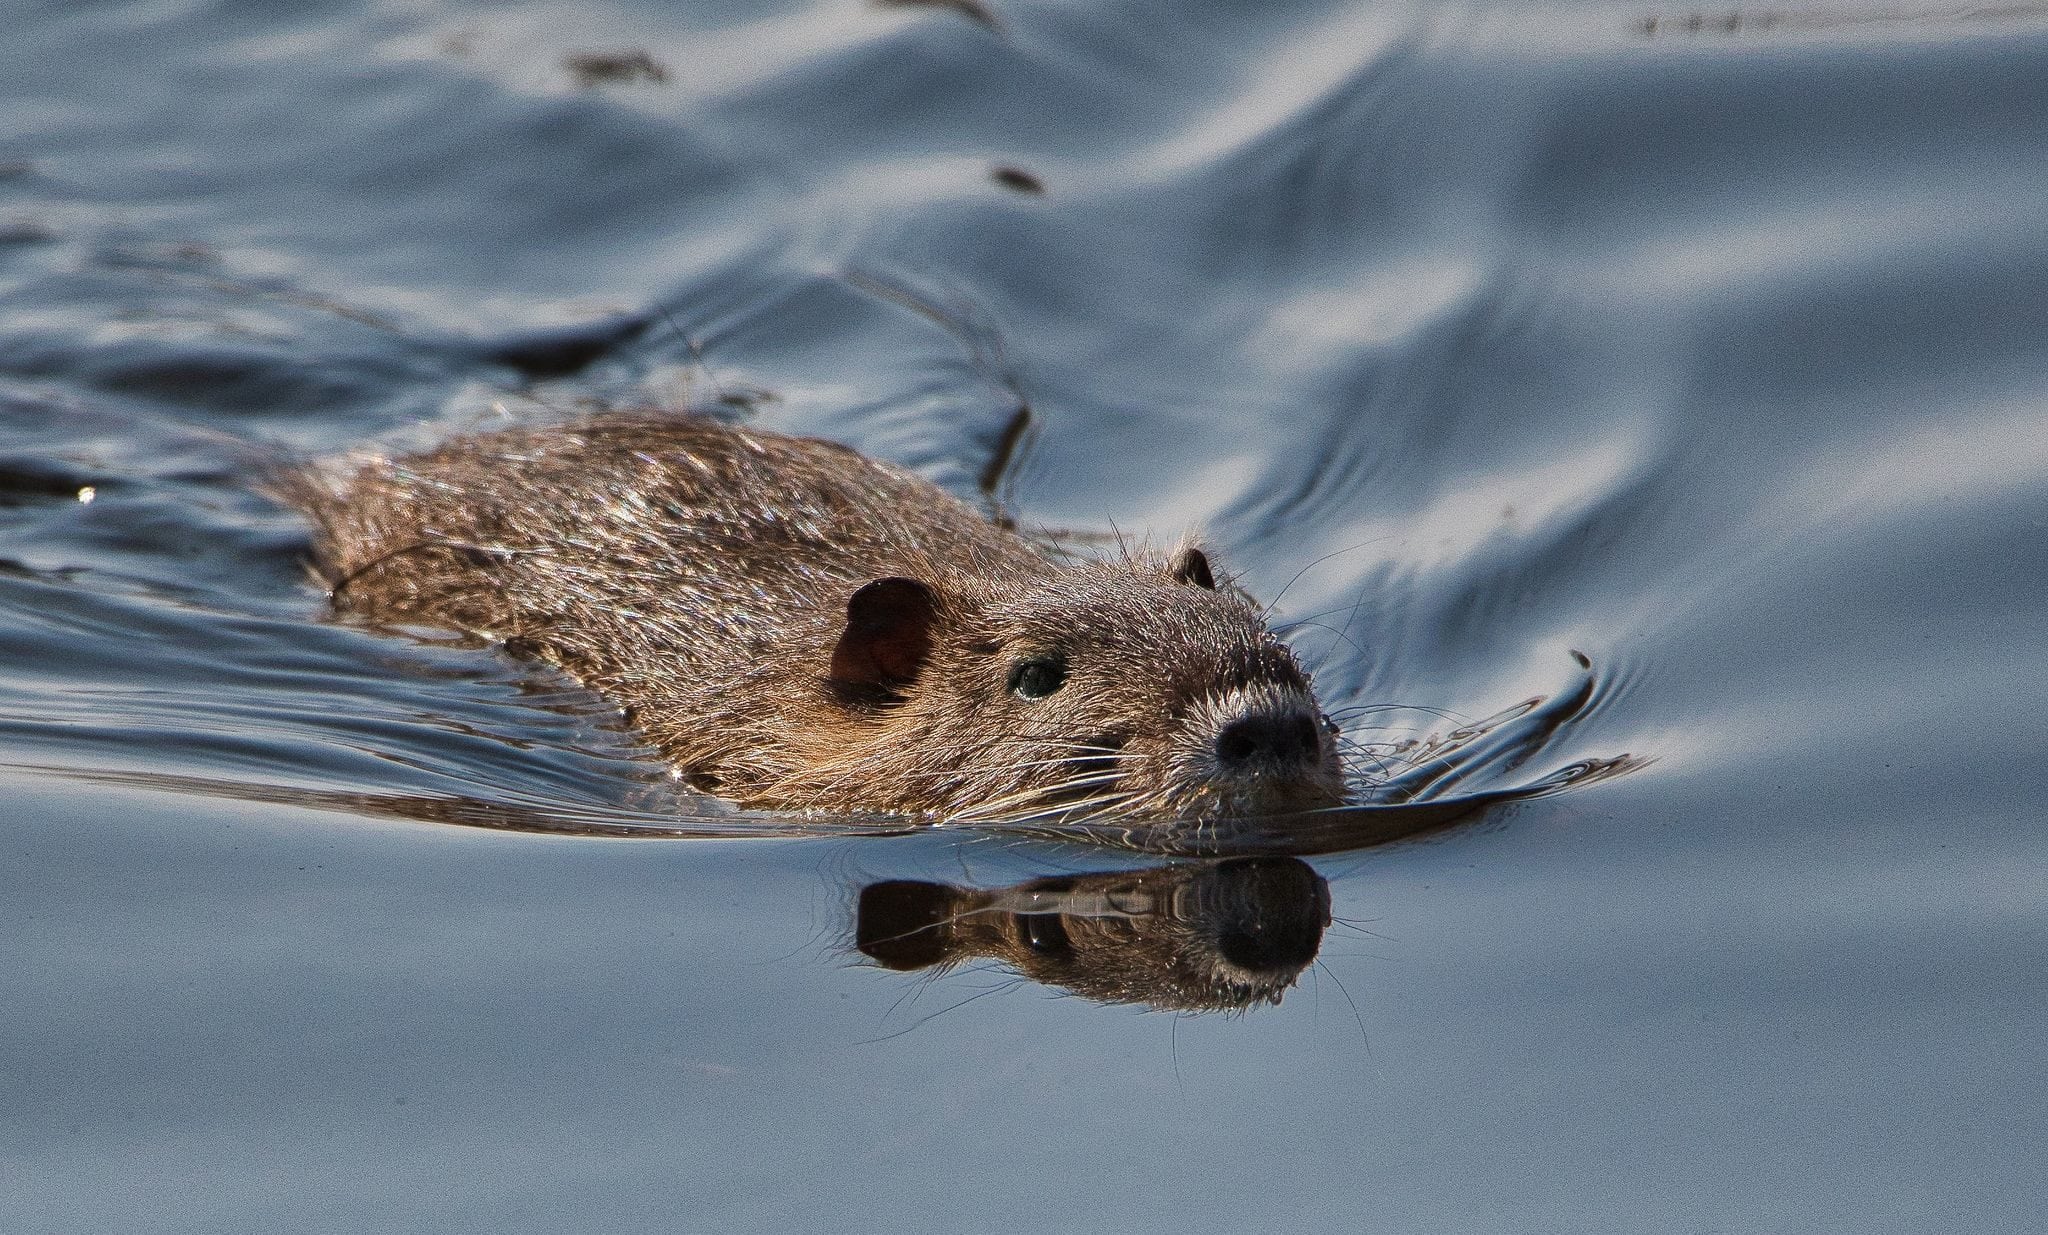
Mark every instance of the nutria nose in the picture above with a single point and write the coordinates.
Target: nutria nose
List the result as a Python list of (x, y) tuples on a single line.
[(1288, 738)]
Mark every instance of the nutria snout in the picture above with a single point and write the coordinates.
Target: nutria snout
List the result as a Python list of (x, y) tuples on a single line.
[(797, 626)]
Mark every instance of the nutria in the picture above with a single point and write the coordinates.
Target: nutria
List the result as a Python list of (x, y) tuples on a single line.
[(797, 626)]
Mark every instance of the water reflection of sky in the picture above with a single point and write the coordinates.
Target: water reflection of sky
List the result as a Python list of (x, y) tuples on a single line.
[(1715, 355)]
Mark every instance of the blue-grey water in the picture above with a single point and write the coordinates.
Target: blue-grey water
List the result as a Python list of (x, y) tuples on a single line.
[(1709, 344)]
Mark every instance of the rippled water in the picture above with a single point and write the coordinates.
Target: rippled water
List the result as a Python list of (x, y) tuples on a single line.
[(1709, 346)]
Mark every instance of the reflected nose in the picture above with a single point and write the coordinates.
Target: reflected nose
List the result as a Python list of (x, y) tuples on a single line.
[(1272, 739)]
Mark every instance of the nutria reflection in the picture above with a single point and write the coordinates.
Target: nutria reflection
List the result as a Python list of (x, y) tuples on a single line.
[(1194, 937)]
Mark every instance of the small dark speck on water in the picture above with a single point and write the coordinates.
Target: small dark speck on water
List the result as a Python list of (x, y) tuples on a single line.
[(606, 68), (972, 9), (1017, 178), (26, 231)]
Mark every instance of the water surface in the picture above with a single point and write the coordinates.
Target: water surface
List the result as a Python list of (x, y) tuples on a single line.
[(1708, 347)]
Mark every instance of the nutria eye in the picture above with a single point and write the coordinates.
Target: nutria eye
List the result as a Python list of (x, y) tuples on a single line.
[(1035, 679)]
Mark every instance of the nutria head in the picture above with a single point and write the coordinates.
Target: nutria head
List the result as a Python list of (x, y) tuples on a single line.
[(1135, 686)]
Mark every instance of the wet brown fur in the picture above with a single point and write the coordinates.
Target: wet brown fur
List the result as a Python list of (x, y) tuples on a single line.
[(700, 575)]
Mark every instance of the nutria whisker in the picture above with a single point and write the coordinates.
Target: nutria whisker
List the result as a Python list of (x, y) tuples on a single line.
[(1092, 758), (1090, 761), (1342, 637), (1084, 761), (1073, 813), (1380, 762), (1267, 609), (1039, 793), (1035, 794), (1066, 799), (1361, 709), (1068, 813)]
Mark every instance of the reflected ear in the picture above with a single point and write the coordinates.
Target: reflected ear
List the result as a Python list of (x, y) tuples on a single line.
[(888, 634), (906, 923), (1191, 565)]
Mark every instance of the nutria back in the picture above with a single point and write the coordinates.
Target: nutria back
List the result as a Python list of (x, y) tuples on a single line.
[(797, 626)]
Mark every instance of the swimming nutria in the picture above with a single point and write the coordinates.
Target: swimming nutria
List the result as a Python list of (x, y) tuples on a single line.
[(797, 626)]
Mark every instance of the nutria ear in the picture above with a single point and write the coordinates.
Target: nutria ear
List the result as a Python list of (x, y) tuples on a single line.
[(1191, 565), (888, 634)]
